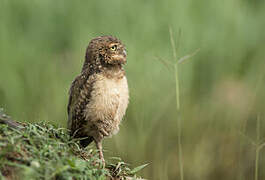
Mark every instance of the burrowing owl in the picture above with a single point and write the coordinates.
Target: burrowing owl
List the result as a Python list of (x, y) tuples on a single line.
[(99, 95)]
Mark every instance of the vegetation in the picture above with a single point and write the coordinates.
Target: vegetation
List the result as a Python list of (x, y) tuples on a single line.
[(42, 48), (42, 151)]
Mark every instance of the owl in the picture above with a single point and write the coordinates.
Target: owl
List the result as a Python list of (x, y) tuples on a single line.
[(98, 96)]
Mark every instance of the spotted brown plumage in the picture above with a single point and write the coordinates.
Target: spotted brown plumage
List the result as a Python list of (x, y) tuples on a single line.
[(99, 95)]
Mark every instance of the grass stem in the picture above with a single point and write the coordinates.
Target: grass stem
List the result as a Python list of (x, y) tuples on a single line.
[(177, 105), (257, 150)]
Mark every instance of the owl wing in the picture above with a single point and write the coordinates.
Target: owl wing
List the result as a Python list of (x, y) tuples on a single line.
[(73, 98), (79, 96)]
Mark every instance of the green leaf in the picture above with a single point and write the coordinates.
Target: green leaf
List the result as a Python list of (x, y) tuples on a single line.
[(133, 171)]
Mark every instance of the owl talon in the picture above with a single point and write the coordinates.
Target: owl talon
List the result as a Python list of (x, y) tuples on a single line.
[(104, 133)]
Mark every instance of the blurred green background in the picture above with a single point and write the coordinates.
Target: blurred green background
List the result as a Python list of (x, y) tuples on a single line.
[(42, 48)]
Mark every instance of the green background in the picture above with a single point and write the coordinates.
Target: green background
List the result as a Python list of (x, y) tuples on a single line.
[(42, 48)]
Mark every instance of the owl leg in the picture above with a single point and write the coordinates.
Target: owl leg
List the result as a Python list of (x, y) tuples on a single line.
[(99, 146)]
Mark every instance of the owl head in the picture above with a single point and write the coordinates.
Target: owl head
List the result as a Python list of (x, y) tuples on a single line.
[(105, 51)]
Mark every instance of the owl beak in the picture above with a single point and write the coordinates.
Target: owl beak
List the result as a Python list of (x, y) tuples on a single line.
[(124, 53), (120, 59)]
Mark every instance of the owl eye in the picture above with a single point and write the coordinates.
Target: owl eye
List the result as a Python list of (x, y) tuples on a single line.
[(113, 48)]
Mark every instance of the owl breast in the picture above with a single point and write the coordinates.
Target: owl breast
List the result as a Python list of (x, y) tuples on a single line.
[(109, 101)]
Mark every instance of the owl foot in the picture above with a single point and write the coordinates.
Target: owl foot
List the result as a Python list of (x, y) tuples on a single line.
[(104, 133)]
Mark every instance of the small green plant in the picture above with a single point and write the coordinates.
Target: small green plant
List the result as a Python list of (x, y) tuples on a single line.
[(175, 64)]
